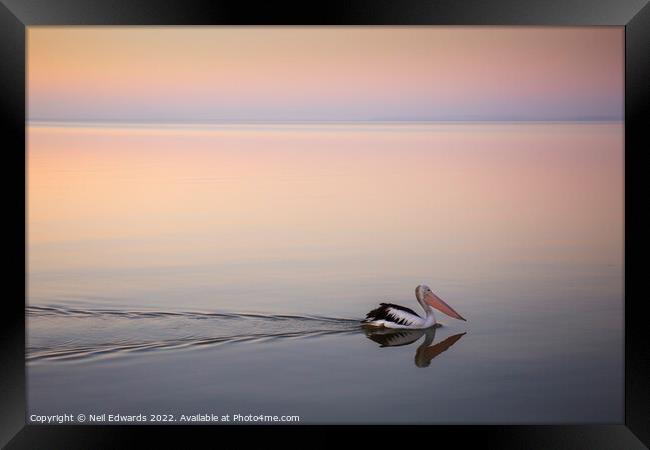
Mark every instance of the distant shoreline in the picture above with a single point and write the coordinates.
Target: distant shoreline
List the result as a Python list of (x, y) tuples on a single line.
[(136, 124)]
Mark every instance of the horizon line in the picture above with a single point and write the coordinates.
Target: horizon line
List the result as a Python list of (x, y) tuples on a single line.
[(37, 121)]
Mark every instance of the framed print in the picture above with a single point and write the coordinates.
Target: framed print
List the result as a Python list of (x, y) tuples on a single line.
[(406, 219)]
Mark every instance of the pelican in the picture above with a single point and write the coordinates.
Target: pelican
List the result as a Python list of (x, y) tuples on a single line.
[(389, 315)]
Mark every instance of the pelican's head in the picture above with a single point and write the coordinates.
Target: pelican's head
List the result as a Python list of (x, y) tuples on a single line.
[(424, 295)]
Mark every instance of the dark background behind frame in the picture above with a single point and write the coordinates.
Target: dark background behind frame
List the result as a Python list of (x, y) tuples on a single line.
[(15, 15)]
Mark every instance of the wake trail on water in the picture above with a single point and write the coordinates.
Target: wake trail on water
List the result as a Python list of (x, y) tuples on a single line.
[(58, 333)]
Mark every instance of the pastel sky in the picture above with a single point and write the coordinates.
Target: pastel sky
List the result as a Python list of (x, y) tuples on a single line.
[(206, 74)]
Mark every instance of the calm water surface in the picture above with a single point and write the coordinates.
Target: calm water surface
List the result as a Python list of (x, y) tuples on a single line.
[(185, 269)]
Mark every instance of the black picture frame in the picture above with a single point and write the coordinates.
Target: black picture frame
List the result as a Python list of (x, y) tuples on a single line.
[(16, 15)]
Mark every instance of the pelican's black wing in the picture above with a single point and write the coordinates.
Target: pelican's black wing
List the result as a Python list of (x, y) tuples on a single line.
[(391, 313)]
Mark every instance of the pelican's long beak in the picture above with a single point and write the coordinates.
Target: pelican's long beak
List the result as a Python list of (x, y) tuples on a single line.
[(440, 305)]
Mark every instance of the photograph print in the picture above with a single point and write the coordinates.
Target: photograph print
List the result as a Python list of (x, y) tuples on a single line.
[(325, 225)]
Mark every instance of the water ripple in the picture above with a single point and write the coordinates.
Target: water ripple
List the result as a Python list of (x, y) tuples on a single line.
[(64, 334)]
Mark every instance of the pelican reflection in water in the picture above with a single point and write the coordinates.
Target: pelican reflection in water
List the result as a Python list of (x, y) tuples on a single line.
[(425, 352)]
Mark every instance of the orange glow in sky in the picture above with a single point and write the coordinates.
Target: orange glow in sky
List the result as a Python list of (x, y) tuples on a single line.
[(324, 73)]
